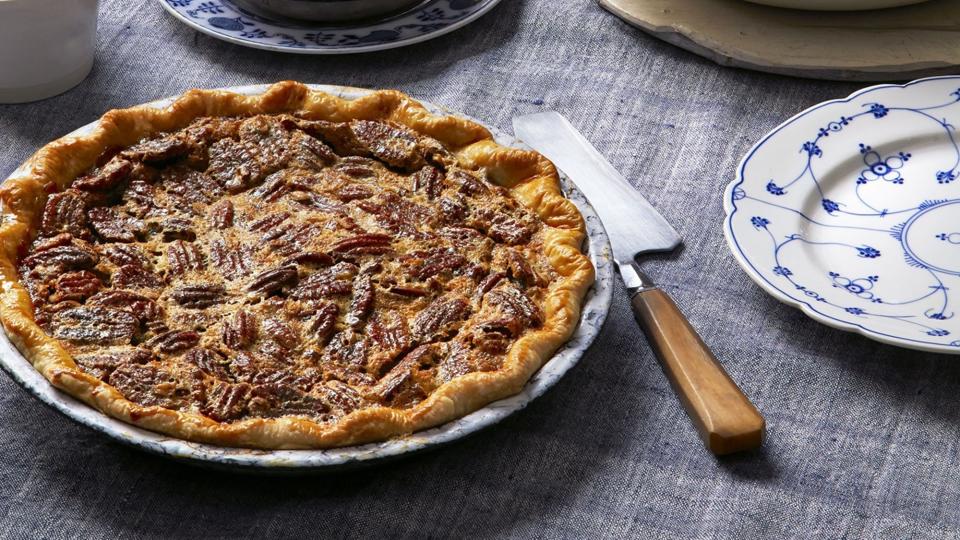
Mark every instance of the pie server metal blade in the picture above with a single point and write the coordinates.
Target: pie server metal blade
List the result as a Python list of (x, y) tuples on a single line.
[(633, 225), (726, 420)]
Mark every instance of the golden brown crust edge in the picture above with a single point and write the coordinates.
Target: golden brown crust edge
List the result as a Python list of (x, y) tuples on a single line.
[(531, 178)]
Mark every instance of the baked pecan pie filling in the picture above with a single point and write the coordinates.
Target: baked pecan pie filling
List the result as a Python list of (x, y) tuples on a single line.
[(270, 265)]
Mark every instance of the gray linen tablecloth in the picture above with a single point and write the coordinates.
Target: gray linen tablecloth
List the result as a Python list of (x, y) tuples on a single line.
[(863, 438)]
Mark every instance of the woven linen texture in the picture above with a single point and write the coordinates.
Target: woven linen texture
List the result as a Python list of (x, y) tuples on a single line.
[(863, 438)]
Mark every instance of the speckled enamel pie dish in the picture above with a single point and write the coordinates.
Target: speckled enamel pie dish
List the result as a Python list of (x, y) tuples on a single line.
[(850, 211), (413, 271)]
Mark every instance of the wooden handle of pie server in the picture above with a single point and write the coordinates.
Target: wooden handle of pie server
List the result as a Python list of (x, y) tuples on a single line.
[(727, 421)]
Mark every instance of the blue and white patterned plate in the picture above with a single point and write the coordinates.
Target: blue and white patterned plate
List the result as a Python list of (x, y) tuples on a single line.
[(225, 20), (595, 307), (850, 211)]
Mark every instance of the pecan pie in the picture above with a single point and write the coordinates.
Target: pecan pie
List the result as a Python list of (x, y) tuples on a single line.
[(288, 270)]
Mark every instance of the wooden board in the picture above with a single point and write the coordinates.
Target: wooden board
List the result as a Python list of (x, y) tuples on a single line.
[(881, 45)]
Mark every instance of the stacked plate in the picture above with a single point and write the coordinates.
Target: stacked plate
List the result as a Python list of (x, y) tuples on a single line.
[(266, 24)]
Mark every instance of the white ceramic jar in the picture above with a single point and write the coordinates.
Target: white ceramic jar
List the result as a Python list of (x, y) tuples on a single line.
[(46, 47)]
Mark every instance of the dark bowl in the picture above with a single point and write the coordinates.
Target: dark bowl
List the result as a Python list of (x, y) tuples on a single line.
[(327, 10)]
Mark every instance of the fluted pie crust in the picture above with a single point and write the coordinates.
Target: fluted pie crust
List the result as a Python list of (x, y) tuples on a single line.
[(529, 177)]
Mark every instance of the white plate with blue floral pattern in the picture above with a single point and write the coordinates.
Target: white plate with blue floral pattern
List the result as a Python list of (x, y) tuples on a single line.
[(850, 211), (224, 19)]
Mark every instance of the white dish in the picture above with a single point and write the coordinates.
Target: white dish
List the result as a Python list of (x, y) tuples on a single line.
[(837, 5), (850, 211), (596, 305)]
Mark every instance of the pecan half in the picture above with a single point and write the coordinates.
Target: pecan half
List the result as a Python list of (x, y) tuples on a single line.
[(280, 399), (280, 332), (389, 333), (408, 291), (428, 180), (309, 257), (390, 143), (399, 387), (233, 165), (65, 212), (143, 308), (133, 276), (305, 152), (521, 312), (274, 187), (347, 348), (493, 337), (226, 401), (358, 167), (273, 280), (321, 323), (363, 244), (75, 286), (178, 228), (151, 386), (439, 318), (515, 265), (101, 365), (183, 257), (111, 226), (488, 284), (510, 230), (63, 258), (99, 325), (352, 192), (198, 296), (209, 361), (107, 177), (429, 263), (268, 222), (174, 341), (337, 135), (187, 186), (43, 244), (399, 215), (230, 260), (122, 254), (333, 281), (241, 332), (468, 183), (289, 238), (221, 214), (140, 197), (340, 397), (158, 150), (362, 301), (453, 210)]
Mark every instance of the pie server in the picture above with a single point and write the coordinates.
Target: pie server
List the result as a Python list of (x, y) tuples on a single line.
[(726, 419)]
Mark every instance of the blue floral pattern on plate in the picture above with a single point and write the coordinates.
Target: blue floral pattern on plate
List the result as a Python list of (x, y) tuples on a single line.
[(225, 20), (850, 211)]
